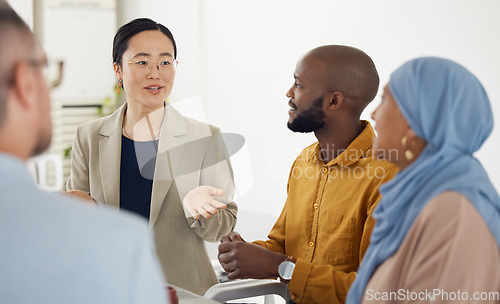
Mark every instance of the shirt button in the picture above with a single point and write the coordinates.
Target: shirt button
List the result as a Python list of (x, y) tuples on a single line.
[(311, 244), (325, 170), (315, 206)]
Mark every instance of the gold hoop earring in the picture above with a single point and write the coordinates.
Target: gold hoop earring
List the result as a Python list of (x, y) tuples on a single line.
[(119, 86), (408, 154)]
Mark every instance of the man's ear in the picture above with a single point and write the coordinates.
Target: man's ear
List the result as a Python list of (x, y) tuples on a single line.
[(25, 84), (335, 100)]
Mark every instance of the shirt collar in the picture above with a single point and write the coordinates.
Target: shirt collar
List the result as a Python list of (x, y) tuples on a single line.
[(359, 148)]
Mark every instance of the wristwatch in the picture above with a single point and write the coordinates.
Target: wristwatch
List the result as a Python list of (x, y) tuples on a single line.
[(285, 269)]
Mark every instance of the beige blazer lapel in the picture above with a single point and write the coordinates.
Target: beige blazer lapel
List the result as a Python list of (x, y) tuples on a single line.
[(169, 157), (109, 161)]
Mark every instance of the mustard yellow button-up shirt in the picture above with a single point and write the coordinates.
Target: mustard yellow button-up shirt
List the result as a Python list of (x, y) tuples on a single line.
[(326, 221)]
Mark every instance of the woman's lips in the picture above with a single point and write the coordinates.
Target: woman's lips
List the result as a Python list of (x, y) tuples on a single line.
[(154, 89)]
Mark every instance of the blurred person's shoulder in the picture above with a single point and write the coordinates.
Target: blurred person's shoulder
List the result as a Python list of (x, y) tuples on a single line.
[(80, 243), (113, 219), (48, 221)]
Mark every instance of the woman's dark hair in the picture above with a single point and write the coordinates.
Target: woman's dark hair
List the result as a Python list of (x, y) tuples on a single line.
[(134, 27)]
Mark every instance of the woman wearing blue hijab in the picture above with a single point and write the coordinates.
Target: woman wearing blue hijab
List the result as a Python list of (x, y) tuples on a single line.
[(437, 235)]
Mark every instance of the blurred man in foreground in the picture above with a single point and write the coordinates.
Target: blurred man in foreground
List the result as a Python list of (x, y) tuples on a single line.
[(56, 249)]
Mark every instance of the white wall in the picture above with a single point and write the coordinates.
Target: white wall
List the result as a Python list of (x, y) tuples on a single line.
[(25, 9), (240, 57)]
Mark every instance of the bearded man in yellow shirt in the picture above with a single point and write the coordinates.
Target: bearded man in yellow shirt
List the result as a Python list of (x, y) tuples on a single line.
[(324, 229)]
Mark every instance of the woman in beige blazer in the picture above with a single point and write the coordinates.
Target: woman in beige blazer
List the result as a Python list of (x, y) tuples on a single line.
[(184, 153)]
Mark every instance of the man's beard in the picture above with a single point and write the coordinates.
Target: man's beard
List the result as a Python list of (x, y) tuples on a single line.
[(309, 120)]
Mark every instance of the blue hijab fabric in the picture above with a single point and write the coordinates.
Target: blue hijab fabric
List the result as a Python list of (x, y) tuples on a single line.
[(448, 107)]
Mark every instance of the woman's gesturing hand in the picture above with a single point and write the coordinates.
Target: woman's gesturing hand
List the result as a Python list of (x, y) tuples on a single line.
[(200, 201)]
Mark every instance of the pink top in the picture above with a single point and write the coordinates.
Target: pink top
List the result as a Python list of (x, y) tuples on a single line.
[(449, 255)]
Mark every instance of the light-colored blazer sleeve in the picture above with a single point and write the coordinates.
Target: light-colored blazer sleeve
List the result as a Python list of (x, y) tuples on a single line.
[(79, 175), (217, 172)]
